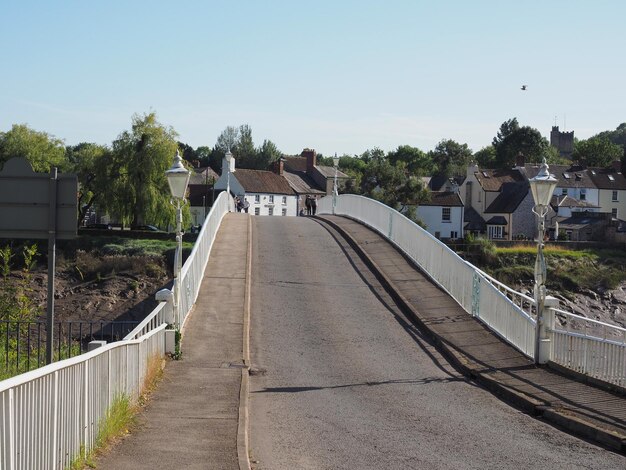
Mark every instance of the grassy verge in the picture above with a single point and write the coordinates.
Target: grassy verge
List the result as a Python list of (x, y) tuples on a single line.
[(12, 364), (120, 418)]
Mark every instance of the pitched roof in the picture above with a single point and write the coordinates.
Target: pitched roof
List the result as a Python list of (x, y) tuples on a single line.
[(302, 183), (444, 199), (510, 198), (497, 220), (492, 180), (568, 176), (203, 176), (473, 220), (295, 163), (607, 178), (566, 201), (260, 181), (329, 172)]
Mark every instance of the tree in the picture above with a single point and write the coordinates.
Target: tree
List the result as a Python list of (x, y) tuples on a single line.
[(597, 151), (244, 150), (485, 157), (93, 165), (227, 139), (141, 156), (512, 140), (617, 137), (268, 153), (42, 150), (451, 158), (417, 162)]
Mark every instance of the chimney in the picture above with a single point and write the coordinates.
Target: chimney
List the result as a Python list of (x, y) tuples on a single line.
[(311, 159), (519, 160), (279, 166)]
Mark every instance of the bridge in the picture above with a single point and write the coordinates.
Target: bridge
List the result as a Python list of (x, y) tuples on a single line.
[(350, 340)]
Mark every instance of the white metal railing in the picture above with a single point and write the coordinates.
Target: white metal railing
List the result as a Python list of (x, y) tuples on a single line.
[(588, 346), (593, 348), (48, 415)]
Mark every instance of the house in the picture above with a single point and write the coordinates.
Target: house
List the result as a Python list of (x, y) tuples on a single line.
[(267, 192), (584, 226), (574, 181), (307, 178), (201, 193), (443, 214), (509, 216), (482, 187), (611, 187)]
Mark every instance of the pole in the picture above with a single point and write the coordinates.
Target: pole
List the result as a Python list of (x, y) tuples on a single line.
[(178, 262), (540, 280), (335, 189), (52, 224)]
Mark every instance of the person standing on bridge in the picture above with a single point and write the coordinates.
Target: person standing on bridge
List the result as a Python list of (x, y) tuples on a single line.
[(307, 203), (313, 204)]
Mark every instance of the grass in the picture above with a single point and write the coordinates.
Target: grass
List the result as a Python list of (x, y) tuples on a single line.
[(568, 270), (120, 419), (32, 359)]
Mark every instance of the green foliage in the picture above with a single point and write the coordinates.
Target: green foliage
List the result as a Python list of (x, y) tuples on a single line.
[(486, 157), (42, 150), (451, 158), (416, 162), (6, 255), (597, 151), (140, 193), (513, 139)]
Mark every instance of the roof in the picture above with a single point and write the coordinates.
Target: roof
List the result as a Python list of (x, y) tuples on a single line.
[(510, 198), (568, 176), (566, 201), (580, 220), (203, 176), (497, 220), (295, 163), (607, 178), (302, 183), (329, 172), (492, 180), (261, 181), (437, 182), (444, 199), (473, 220)]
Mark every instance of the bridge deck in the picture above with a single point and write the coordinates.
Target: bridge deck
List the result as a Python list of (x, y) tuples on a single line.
[(584, 409), (191, 422)]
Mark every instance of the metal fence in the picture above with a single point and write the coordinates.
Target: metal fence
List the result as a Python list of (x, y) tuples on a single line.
[(23, 343), (590, 347)]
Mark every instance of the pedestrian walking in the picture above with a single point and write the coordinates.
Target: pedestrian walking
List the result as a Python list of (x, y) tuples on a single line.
[(313, 204), (307, 203), (246, 205)]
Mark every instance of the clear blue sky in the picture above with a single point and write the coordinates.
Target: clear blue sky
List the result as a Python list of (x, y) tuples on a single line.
[(337, 76)]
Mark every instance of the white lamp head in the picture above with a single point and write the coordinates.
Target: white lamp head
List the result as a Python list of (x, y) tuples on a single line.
[(335, 160), (543, 185), (178, 177)]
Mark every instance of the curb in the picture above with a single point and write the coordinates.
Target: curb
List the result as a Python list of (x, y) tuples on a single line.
[(242, 426), (521, 401)]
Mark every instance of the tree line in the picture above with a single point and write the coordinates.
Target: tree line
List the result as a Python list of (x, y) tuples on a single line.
[(127, 178)]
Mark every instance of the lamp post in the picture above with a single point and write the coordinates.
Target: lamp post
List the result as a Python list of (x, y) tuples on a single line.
[(542, 187), (229, 157), (178, 179), (335, 191)]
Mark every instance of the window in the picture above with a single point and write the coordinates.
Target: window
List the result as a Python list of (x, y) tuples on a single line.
[(564, 192), (495, 231), (611, 178), (454, 234), (445, 214), (566, 176), (583, 194), (257, 198), (257, 211), (271, 199), (284, 201), (284, 212), (614, 212), (614, 196), (270, 211)]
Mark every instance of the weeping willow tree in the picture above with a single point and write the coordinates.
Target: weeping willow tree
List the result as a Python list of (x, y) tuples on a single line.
[(138, 190)]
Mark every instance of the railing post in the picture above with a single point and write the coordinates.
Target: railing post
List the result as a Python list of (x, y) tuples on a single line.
[(86, 443), (546, 333), (476, 295), (390, 234), (11, 456)]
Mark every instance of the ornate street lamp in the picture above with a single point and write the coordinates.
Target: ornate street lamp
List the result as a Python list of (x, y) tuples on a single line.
[(178, 179), (542, 187), (335, 191)]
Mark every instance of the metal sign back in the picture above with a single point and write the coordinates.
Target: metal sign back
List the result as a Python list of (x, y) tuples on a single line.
[(25, 202)]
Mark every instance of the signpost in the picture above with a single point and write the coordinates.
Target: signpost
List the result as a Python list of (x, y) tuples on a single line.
[(38, 206)]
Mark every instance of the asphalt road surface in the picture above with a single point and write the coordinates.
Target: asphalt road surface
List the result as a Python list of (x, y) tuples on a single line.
[(342, 381)]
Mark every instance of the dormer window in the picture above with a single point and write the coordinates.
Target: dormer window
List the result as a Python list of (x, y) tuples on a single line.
[(611, 178), (566, 176)]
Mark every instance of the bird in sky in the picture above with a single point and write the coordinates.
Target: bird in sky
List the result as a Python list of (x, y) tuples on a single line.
[(523, 87)]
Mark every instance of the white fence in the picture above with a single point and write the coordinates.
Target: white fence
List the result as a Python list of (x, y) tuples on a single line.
[(508, 313), (47, 416)]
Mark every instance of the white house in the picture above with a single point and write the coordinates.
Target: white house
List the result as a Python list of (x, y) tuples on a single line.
[(443, 214), (267, 192)]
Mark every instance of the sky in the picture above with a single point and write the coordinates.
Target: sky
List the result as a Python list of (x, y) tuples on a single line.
[(337, 76)]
